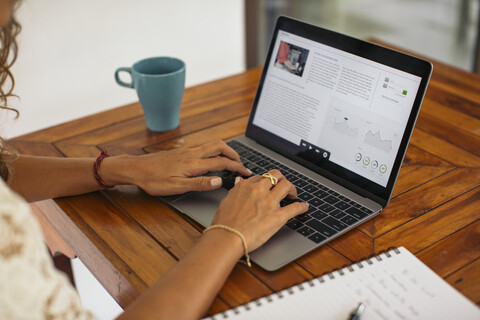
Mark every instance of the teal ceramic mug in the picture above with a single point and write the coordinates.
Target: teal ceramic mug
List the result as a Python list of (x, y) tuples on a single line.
[(159, 83)]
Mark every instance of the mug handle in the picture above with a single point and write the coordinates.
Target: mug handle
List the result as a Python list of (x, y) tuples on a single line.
[(120, 82)]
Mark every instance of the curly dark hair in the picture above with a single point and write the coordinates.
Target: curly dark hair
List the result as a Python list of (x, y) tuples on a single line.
[(8, 55)]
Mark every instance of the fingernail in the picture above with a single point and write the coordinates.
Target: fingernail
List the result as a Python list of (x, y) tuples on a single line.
[(249, 171), (237, 180), (216, 182)]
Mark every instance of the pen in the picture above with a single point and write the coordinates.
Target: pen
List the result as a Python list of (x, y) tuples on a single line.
[(357, 312)]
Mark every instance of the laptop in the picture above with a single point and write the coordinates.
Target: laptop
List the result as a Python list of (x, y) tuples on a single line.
[(334, 114)]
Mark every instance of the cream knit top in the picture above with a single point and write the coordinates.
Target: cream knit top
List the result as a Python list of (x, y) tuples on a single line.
[(30, 286)]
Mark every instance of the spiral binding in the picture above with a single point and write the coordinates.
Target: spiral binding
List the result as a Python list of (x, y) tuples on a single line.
[(331, 275)]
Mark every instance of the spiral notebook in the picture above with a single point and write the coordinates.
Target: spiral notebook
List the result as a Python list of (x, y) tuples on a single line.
[(392, 285)]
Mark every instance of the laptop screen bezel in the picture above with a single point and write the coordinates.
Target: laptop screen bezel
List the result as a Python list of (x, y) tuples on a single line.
[(364, 49)]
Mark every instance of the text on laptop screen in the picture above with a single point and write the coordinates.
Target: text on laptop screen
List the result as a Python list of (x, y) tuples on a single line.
[(336, 106)]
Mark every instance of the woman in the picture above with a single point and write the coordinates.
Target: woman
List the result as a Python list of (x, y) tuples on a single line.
[(30, 287)]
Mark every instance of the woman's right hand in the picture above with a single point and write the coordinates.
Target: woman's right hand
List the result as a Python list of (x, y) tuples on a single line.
[(253, 208)]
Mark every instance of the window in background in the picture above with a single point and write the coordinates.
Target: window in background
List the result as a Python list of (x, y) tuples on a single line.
[(444, 30)]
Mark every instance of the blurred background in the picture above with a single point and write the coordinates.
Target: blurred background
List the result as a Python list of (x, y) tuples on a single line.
[(445, 30), (69, 51)]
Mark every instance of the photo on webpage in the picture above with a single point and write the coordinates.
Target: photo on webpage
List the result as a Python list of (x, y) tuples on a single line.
[(291, 58)]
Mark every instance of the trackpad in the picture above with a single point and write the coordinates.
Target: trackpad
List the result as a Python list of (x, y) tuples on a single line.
[(201, 206)]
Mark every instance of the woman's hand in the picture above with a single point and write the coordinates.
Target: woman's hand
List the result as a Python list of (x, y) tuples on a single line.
[(253, 208), (175, 171)]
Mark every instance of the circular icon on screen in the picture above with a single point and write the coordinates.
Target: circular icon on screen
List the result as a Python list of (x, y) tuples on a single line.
[(358, 157), (374, 164), (383, 168), (366, 161)]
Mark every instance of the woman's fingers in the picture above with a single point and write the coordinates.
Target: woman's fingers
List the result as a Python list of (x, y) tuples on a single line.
[(201, 183), (293, 209), (216, 148), (284, 189), (202, 166)]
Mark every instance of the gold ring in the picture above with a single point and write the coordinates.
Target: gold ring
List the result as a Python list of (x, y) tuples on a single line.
[(272, 178)]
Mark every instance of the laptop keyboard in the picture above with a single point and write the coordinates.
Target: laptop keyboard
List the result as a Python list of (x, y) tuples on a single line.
[(329, 212)]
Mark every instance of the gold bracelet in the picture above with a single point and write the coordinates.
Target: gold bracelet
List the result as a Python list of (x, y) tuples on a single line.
[(221, 226)]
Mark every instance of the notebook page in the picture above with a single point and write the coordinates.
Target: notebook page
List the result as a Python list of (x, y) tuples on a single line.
[(395, 285)]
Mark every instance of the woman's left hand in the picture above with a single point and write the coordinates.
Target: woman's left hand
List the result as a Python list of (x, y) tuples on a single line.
[(174, 171)]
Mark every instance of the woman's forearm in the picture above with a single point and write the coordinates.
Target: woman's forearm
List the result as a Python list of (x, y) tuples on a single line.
[(162, 173), (38, 178), (188, 289)]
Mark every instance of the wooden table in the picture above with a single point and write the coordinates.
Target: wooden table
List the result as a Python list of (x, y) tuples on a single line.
[(129, 239)]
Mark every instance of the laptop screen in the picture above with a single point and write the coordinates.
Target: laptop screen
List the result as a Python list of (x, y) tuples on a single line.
[(336, 109)]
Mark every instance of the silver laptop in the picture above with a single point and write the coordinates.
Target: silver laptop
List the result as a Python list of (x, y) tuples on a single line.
[(334, 114)]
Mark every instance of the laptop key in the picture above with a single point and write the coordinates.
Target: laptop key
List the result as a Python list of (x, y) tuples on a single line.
[(262, 163), (309, 188), (294, 224), (357, 213), (331, 199), (342, 205), (300, 183), (254, 158), (317, 237), (321, 228), (321, 194), (303, 217), (317, 214), (316, 202), (326, 207), (228, 182), (305, 196), (305, 231), (337, 214), (366, 210), (270, 167), (334, 223), (348, 220), (257, 170)]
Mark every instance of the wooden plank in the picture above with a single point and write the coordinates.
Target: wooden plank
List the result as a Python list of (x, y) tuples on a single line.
[(466, 92), (323, 260), (77, 150), (454, 251), (453, 101), (434, 225), (217, 306), (355, 245), (424, 198), (165, 225), (290, 275), (444, 150), (241, 287), (448, 131), (419, 167), (452, 117), (223, 131), (55, 242), (29, 148), (466, 281), (124, 236), (112, 272)]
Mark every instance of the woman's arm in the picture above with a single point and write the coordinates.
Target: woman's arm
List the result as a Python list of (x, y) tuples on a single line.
[(188, 289), (163, 173)]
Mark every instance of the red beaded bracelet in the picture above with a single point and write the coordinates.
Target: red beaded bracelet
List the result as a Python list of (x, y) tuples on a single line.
[(96, 168)]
